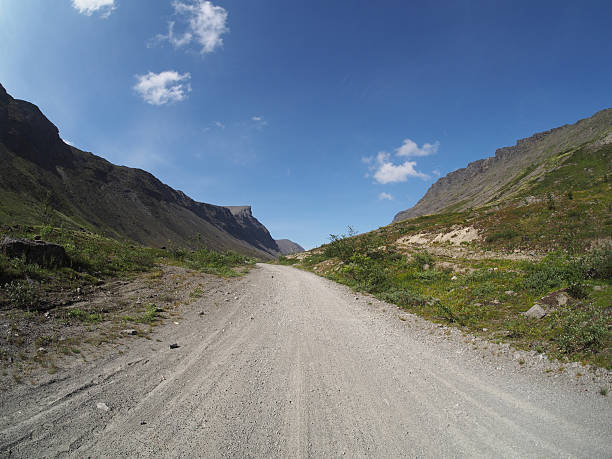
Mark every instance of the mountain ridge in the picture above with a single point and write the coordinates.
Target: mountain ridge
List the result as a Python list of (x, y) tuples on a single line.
[(79, 188), (480, 181)]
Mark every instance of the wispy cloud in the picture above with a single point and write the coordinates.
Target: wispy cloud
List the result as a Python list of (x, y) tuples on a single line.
[(386, 196), (203, 24), (88, 7), (219, 124), (164, 87), (259, 122), (410, 148)]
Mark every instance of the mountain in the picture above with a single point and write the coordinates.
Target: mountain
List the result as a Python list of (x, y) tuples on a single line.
[(512, 170), (288, 247), (44, 180)]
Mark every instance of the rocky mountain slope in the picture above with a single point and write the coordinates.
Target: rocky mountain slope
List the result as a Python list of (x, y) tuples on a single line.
[(44, 180), (504, 176), (288, 247)]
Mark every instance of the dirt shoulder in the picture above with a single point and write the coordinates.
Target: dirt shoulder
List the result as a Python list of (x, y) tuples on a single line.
[(97, 320)]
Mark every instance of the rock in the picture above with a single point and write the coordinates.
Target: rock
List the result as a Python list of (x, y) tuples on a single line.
[(130, 331), (426, 267), (510, 292), (202, 313), (174, 346), (454, 278), (102, 406), (535, 312), (555, 299), (35, 252)]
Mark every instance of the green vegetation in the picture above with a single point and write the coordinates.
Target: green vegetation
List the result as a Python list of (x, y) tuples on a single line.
[(95, 258), (484, 293)]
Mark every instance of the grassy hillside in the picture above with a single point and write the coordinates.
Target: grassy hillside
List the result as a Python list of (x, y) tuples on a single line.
[(512, 170), (94, 259), (549, 242)]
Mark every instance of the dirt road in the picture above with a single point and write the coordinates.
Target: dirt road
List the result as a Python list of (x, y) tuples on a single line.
[(284, 363)]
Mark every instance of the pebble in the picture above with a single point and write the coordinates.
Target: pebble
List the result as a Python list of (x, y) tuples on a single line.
[(102, 406)]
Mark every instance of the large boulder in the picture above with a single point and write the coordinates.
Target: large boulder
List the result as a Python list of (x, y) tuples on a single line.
[(35, 252)]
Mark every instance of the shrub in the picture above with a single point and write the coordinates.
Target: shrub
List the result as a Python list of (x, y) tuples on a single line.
[(422, 258), (554, 271), (150, 314), (502, 234), (22, 294), (582, 330), (367, 273), (597, 264), (283, 260), (341, 246)]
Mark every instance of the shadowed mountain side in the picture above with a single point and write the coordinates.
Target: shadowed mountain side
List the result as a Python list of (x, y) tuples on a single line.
[(44, 180), (288, 247), (500, 177)]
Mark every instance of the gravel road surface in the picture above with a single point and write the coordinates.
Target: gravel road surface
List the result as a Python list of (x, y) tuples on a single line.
[(283, 363)]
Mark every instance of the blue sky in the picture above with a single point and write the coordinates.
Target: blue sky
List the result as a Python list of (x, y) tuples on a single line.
[(319, 114)]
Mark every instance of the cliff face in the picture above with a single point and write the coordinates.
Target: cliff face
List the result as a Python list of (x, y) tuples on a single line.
[(85, 190), (487, 180)]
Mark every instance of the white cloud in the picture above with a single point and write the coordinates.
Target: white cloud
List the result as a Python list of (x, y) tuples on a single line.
[(410, 148), (386, 196), (88, 7), (392, 173), (162, 88), (205, 23), (219, 124), (387, 172)]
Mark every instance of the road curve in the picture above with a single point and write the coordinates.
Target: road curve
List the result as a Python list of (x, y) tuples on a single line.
[(294, 365)]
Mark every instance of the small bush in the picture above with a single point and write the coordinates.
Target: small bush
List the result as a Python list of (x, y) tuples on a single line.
[(554, 271), (582, 330), (597, 264), (423, 258), (501, 235), (22, 294), (150, 314), (283, 260)]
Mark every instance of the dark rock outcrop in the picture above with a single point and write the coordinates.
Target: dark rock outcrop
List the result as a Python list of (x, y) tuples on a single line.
[(35, 252)]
